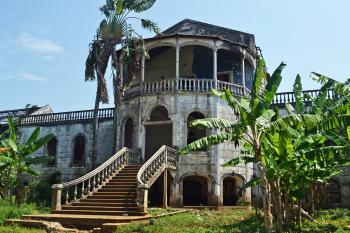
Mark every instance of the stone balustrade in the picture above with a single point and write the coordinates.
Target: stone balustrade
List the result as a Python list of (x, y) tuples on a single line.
[(289, 97)]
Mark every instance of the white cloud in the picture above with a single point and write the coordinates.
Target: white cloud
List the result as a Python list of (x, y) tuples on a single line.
[(30, 77), (37, 45)]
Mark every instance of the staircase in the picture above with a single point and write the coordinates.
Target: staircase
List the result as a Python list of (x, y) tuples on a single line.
[(116, 197)]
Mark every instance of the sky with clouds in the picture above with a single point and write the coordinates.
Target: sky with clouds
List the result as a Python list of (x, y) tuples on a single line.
[(44, 43)]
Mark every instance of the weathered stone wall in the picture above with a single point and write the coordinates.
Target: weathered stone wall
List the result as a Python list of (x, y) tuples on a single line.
[(65, 134), (202, 163)]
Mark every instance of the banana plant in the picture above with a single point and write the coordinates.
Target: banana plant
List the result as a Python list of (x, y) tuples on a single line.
[(253, 114), (18, 158)]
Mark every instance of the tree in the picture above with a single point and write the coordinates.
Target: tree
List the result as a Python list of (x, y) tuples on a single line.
[(17, 161), (114, 30), (253, 114)]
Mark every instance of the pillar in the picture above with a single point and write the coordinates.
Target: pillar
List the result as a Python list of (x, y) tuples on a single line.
[(177, 61), (121, 74), (215, 66), (56, 196), (243, 69), (165, 189), (142, 71)]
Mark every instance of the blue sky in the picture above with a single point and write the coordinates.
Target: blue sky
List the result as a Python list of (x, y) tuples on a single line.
[(44, 43)]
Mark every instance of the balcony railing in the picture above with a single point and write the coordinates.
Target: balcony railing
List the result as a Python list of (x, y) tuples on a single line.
[(289, 97), (182, 85), (106, 113)]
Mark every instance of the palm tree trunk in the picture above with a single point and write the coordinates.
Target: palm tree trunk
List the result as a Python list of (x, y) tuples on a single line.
[(95, 125)]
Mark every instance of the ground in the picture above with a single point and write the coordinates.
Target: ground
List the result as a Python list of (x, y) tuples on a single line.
[(229, 221)]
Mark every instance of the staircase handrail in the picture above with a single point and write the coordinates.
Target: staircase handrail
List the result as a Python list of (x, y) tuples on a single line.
[(92, 180), (160, 160)]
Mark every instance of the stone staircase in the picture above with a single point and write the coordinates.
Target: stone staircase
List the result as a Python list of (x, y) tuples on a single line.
[(116, 197)]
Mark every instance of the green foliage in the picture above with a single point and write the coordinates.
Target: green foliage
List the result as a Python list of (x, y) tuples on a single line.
[(8, 210), (18, 161), (41, 191), (19, 229)]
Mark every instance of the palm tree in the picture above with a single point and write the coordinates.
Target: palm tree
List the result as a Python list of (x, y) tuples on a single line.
[(17, 161), (114, 30)]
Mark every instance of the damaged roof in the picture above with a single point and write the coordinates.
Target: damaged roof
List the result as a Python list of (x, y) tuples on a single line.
[(197, 28)]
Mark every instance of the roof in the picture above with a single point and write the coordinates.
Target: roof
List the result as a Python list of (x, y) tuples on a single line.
[(33, 110), (197, 28)]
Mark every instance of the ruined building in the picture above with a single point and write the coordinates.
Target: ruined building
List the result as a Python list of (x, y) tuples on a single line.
[(171, 88)]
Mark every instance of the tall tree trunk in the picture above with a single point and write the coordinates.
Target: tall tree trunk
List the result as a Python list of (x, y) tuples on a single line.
[(95, 124), (266, 199)]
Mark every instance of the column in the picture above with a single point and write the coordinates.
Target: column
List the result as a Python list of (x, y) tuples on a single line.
[(142, 72), (165, 189), (243, 69), (56, 196), (177, 61), (215, 67)]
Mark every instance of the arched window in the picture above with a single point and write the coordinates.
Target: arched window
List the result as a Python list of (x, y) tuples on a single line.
[(128, 131), (51, 149), (159, 114), (79, 151), (194, 133)]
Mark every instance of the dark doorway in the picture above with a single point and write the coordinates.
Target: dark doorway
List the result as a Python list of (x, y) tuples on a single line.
[(231, 191), (159, 131), (128, 132), (157, 136), (195, 191), (155, 193)]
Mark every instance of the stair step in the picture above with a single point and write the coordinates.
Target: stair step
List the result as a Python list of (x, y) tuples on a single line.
[(95, 212), (108, 200), (106, 204), (114, 193), (99, 208), (113, 185), (113, 189)]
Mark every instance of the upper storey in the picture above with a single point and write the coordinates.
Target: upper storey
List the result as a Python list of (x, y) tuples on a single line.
[(196, 28), (195, 56)]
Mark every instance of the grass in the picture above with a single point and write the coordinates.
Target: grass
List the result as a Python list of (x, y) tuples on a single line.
[(236, 221), (18, 229)]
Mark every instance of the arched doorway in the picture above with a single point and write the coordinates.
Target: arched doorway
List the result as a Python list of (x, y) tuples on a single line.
[(195, 191), (159, 131), (333, 192), (232, 192), (128, 132)]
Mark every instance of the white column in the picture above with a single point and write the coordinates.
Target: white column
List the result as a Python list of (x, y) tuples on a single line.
[(243, 69), (142, 68), (215, 66), (177, 62)]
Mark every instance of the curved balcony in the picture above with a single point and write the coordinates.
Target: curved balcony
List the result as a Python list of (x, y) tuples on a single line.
[(182, 85)]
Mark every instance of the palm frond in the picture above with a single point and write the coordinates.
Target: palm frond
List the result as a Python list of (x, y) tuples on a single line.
[(209, 141), (150, 26), (212, 123)]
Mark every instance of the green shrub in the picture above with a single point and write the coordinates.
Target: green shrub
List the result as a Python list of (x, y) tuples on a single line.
[(13, 211), (41, 191)]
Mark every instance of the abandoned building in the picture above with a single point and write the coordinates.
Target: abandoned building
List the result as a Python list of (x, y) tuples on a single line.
[(171, 88)]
